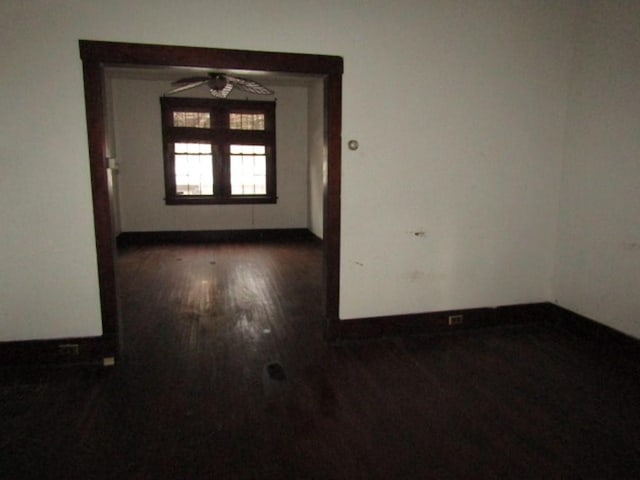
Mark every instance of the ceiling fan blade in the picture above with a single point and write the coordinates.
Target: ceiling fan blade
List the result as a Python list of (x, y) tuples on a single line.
[(223, 92), (189, 80), (249, 86), (186, 87)]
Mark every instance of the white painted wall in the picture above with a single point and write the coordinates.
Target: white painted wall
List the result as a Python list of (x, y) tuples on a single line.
[(141, 178), (451, 200), (48, 274), (598, 272), (317, 157), (458, 107)]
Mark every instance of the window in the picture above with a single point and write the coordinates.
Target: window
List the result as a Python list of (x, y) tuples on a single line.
[(218, 151)]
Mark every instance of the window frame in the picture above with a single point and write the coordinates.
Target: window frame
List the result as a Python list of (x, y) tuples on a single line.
[(220, 136)]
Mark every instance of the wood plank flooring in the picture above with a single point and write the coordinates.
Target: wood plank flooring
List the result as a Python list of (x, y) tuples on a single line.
[(225, 375)]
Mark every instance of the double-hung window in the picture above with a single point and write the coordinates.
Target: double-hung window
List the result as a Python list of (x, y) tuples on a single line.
[(218, 151)]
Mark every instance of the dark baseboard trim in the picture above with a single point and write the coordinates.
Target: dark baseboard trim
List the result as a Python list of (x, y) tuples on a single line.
[(197, 236), (61, 351), (438, 322), (607, 340), (610, 342)]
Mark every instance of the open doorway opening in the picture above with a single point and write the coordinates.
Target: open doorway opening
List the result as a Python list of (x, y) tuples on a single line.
[(97, 56), (187, 179)]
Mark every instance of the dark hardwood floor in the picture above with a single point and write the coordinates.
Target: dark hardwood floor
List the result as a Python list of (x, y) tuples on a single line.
[(224, 374)]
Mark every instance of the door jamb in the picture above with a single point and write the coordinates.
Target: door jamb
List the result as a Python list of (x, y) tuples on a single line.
[(97, 54)]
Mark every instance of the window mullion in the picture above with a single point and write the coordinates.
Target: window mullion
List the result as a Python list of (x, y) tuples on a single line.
[(219, 126), (225, 171)]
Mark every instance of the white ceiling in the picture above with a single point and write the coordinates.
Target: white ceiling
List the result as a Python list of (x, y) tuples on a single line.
[(174, 73)]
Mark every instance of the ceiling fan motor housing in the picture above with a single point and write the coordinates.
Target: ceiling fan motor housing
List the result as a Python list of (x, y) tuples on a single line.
[(217, 82)]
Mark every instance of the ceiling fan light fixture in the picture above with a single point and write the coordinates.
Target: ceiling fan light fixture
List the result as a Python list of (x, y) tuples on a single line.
[(221, 92), (220, 85), (217, 82)]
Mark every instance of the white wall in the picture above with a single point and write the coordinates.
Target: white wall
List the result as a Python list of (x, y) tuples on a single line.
[(48, 274), (452, 198), (598, 258), (451, 201), (317, 157), (141, 177)]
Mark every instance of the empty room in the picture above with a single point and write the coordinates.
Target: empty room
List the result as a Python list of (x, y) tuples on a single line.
[(332, 240)]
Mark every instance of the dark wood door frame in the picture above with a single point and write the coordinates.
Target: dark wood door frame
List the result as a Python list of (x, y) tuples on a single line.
[(96, 55)]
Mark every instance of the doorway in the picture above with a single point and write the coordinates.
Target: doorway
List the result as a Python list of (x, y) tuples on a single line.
[(98, 55)]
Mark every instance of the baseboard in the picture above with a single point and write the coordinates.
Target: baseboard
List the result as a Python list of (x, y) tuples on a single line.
[(442, 321), (197, 236), (67, 351), (606, 339)]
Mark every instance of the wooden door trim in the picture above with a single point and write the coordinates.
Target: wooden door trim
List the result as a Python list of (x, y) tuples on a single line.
[(96, 55)]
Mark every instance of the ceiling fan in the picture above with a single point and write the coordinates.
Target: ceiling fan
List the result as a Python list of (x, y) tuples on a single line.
[(220, 85)]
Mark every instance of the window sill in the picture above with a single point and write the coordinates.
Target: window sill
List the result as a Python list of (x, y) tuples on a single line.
[(206, 200)]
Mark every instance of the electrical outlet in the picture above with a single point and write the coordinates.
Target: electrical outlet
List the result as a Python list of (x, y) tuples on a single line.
[(69, 349), (455, 319)]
